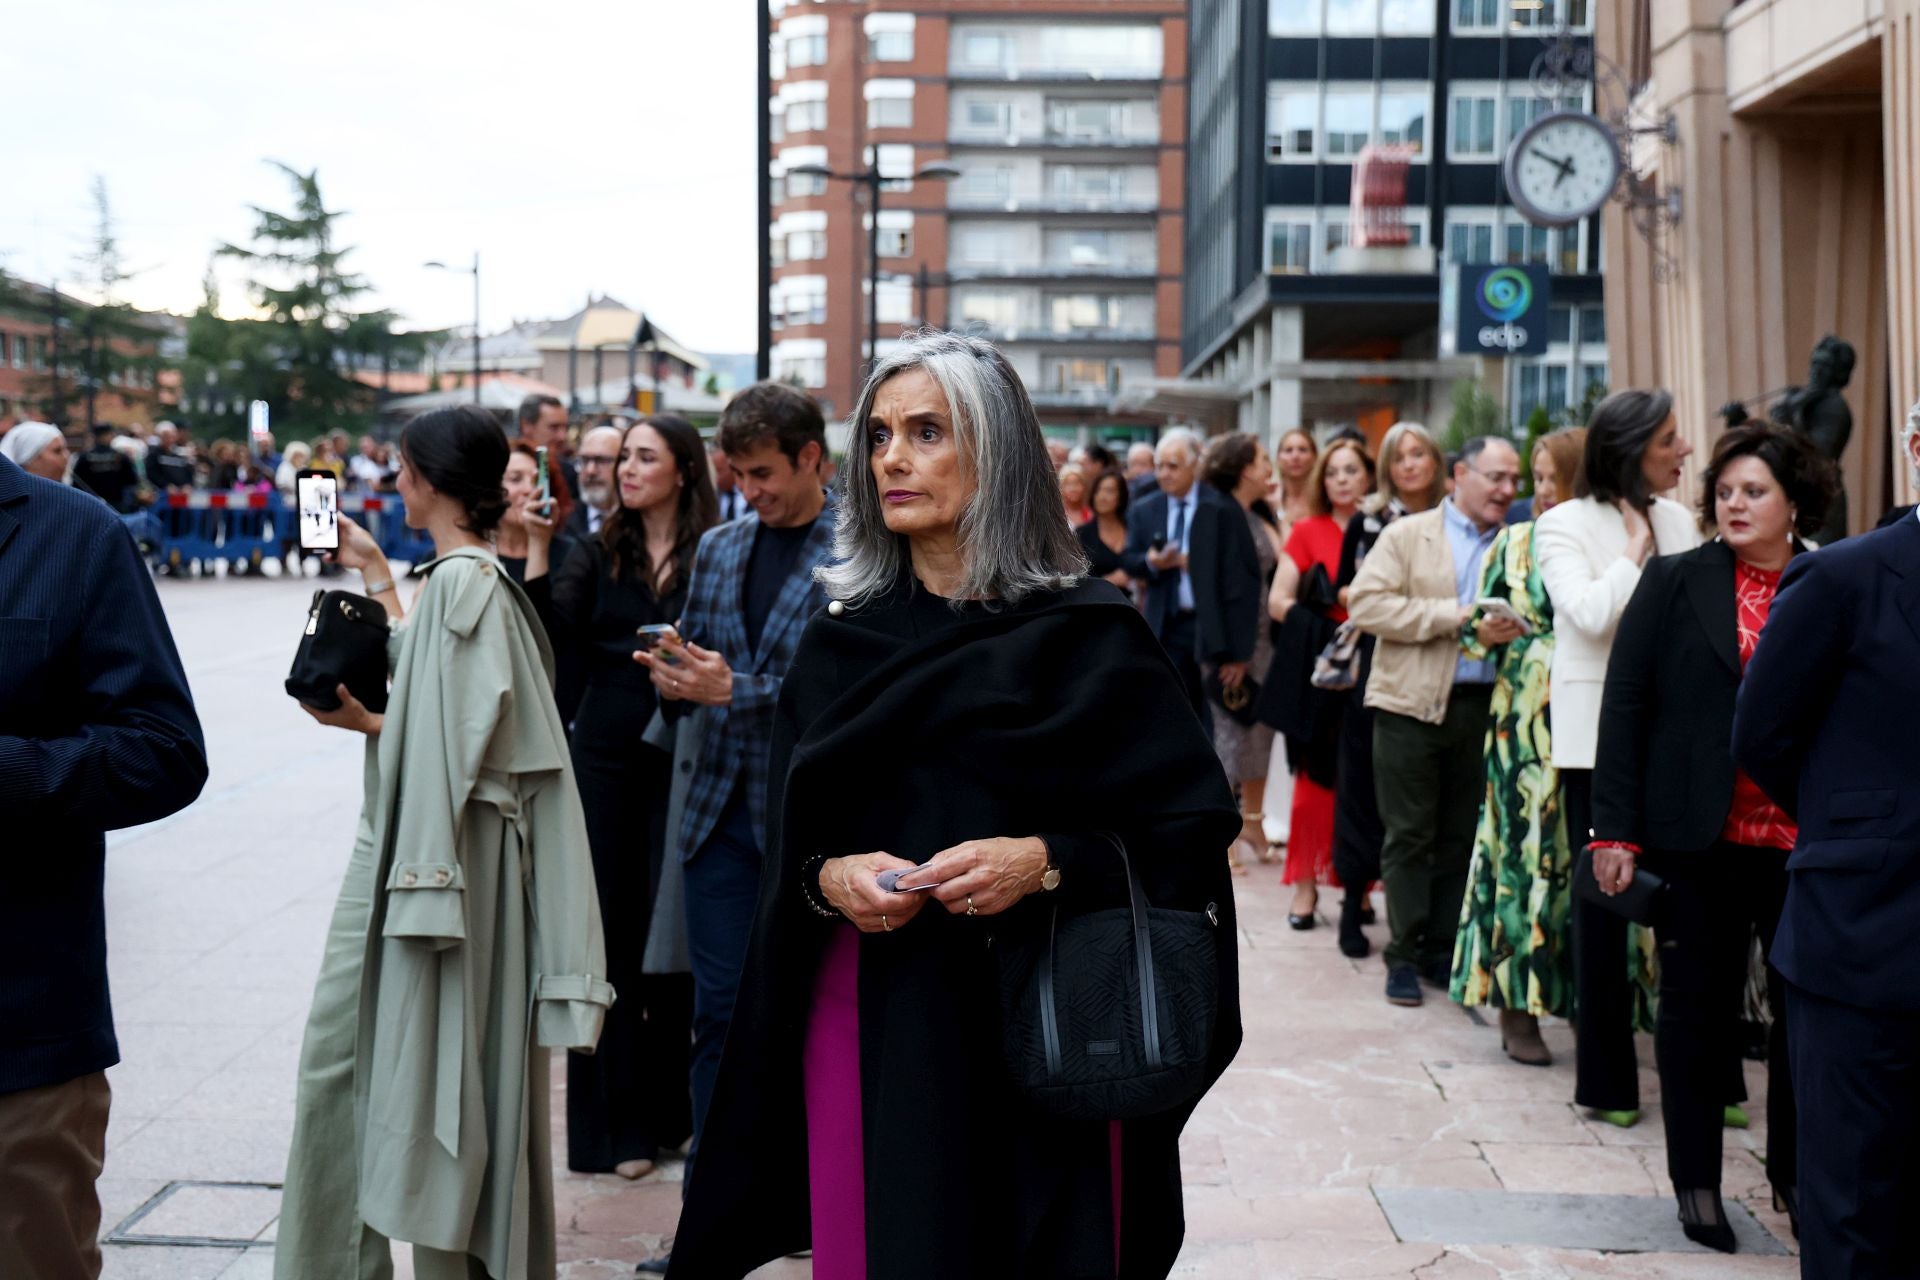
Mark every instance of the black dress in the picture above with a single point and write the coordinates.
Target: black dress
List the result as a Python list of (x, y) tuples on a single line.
[(1357, 829), (1104, 559), (567, 679), (909, 726), (630, 1097)]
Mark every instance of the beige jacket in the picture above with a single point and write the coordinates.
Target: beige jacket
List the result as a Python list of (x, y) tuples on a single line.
[(1404, 596)]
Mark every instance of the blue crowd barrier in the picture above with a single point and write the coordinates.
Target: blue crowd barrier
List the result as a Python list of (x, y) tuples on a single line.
[(201, 529)]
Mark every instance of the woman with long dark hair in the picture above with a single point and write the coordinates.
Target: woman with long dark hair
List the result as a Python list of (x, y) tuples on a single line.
[(1104, 537), (630, 1099), (466, 941), (1591, 553)]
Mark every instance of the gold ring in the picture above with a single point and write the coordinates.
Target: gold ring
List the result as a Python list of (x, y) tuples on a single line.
[(970, 910), (885, 925)]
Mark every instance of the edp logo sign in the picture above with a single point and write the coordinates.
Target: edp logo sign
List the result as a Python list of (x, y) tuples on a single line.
[(1488, 310)]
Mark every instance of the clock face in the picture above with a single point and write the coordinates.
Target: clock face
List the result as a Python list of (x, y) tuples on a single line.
[(1563, 168)]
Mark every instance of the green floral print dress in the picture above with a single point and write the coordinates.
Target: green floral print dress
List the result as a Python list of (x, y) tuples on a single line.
[(1515, 945)]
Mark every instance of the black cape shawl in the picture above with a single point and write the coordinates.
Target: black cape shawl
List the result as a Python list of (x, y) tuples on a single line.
[(906, 730)]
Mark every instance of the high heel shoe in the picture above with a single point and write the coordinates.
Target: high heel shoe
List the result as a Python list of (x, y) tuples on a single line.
[(1299, 920), (1704, 1218), (1622, 1119), (1787, 1200)]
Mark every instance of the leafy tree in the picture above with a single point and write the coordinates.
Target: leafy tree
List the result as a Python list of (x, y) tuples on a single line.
[(1581, 414), (1475, 413), (712, 385), (117, 345), (314, 332)]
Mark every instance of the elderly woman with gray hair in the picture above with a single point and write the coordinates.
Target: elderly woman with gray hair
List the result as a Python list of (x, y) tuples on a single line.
[(975, 716)]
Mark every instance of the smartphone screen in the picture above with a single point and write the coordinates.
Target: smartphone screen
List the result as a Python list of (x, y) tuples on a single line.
[(318, 493)]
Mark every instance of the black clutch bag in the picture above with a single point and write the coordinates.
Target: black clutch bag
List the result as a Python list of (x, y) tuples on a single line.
[(1639, 902), (1110, 1014), (345, 643), (1239, 701)]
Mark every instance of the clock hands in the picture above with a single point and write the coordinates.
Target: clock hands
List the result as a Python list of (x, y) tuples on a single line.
[(1564, 165)]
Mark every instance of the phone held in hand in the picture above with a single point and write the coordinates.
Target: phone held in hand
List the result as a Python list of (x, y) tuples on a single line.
[(317, 493), (542, 504), (1494, 607), (889, 881), (653, 633)]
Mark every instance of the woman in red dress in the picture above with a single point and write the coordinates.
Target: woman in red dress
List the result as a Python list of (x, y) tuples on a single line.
[(1342, 476)]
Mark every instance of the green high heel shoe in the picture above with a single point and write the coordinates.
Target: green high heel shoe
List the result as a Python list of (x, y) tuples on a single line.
[(1623, 1119), (1735, 1118)]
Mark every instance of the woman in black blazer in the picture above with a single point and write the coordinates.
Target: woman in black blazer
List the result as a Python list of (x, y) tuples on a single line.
[(1666, 792)]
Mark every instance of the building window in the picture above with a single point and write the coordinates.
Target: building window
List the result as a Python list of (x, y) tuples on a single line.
[(1403, 119), (1290, 123), (806, 246), (4, 349), (1477, 15), (807, 306), (1335, 236), (1527, 243), (1473, 117), (984, 245), (1470, 241), (895, 304), (896, 242), (807, 51), (995, 312), (1290, 247), (1559, 326), (1352, 17), (983, 49), (803, 116), (1406, 17), (890, 113), (1547, 15), (1084, 184), (801, 185), (984, 183), (1349, 123), (803, 371), (1293, 17), (987, 115), (1593, 325), (1086, 119), (890, 46)]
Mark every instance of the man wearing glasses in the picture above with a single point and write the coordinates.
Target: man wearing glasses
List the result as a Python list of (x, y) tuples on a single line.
[(599, 451), (1415, 593)]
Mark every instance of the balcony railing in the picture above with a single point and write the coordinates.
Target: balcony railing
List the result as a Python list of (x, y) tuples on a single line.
[(1091, 75), (1055, 270), (1046, 333), (1050, 138), (1044, 202)]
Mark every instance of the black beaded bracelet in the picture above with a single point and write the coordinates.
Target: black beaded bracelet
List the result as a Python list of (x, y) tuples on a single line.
[(809, 882)]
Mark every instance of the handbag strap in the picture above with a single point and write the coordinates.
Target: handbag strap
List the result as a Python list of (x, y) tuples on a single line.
[(1143, 967)]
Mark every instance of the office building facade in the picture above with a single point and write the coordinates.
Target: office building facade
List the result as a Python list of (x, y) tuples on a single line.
[(1282, 326), (1057, 234)]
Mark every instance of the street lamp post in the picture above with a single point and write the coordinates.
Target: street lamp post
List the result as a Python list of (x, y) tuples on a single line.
[(874, 181), (473, 271)]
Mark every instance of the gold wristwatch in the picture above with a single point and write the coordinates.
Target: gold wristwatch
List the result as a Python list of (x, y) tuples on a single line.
[(1050, 878)]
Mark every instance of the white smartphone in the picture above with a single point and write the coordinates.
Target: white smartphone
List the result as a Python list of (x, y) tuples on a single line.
[(318, 493), (1495, 607)]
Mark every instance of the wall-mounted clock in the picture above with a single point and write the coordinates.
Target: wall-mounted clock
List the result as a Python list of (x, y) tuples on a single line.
[(1563, 167)]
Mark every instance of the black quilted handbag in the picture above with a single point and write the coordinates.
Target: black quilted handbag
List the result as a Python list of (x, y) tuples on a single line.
[(345, 643), (1109, 1014)]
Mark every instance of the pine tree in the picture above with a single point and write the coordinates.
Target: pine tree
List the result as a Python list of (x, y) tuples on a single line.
[(116, 343), (298, 279)]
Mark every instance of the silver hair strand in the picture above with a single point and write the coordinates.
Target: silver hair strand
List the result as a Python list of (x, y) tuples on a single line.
[(1013, 535)]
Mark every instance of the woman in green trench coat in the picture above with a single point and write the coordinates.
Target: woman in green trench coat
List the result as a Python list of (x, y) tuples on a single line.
[(466, 940)]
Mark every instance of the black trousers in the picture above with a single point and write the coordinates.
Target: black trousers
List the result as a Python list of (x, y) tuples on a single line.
[(1428, 779), (1856, 1073), (1717, 900), (1357, 829), (1181, 639), (1606, 1074)]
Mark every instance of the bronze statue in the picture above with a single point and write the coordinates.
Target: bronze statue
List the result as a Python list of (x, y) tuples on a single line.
[(1820, 411)]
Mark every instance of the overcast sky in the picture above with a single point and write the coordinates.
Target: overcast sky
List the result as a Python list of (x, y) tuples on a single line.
[(581, 146)]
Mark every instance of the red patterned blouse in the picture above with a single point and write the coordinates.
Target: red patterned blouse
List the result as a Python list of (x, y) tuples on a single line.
[(1754, 820)]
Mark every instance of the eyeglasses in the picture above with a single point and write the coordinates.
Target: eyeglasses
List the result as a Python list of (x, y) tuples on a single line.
[(1498, 478), (591, 460)]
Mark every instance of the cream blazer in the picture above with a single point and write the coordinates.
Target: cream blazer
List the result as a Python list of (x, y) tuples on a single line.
[(1580, 547)]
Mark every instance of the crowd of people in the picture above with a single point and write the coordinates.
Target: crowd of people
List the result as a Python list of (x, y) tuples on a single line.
[(730, 778)]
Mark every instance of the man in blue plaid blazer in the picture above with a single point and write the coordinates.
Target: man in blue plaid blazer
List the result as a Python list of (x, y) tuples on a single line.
[(751, 596)]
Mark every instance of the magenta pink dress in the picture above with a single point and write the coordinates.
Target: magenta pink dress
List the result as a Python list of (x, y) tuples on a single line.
[(836, 1164)]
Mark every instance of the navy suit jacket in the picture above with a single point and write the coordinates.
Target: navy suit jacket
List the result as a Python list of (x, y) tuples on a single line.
[(1228, 594), (97, 732), (1826, 723), (737, 739)]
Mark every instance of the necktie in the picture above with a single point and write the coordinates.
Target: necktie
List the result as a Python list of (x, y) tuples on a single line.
[(1178, 540)]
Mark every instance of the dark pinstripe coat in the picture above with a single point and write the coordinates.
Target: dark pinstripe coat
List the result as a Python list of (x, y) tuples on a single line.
[(97, 732), (737, 737)]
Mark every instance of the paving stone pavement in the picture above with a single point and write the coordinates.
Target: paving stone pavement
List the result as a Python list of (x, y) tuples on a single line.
[(216, 919)]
